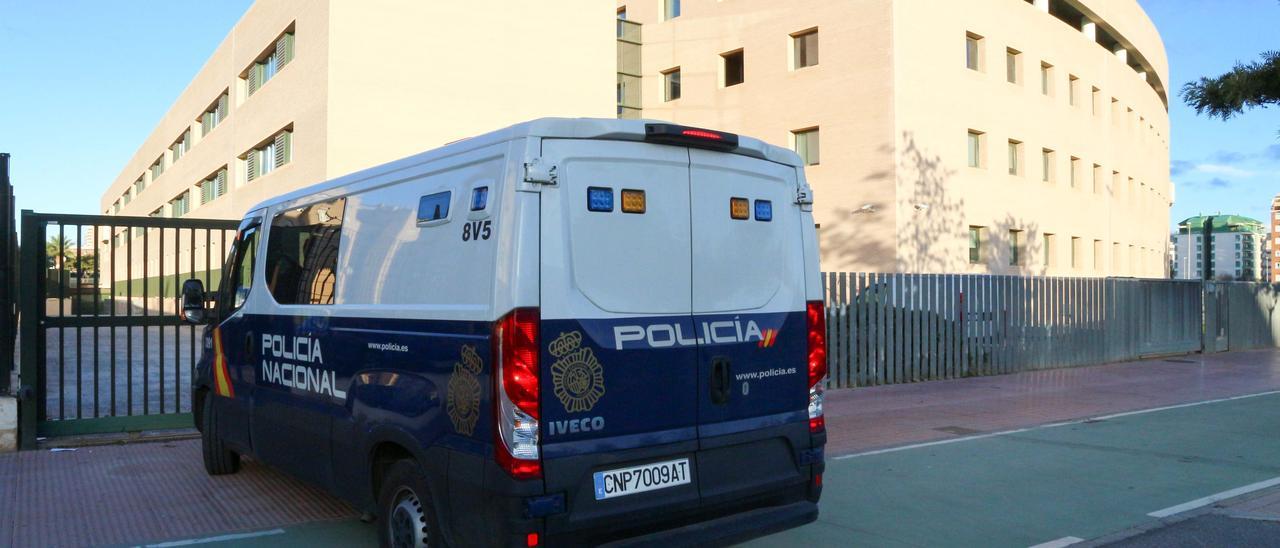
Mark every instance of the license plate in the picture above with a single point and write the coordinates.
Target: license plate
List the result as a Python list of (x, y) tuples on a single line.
[(638, 479)]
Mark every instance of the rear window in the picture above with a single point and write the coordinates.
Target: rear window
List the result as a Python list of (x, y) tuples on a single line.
[(302, 253)]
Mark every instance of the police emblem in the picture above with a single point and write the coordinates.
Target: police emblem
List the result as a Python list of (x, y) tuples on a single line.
[(576, 375), (463, 399)]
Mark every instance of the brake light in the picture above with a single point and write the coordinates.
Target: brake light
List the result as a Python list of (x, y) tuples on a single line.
[(672, 134), (516, 393), (816, 322), (702, 134)]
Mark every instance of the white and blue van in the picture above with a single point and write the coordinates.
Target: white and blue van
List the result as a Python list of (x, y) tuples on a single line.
[(566, 332)]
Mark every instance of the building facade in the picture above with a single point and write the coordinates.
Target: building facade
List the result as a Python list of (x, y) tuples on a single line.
[(1219, 247), (1271, 263), (302, 91), (986, 136)]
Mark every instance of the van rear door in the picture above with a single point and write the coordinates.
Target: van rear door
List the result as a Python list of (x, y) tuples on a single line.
[(749, 302), (619, 360)]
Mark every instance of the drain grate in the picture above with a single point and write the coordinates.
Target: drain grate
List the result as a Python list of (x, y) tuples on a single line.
[(1175, 360)]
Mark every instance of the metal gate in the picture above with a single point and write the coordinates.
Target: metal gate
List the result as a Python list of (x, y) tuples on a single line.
[(8, 278), (103, 347)]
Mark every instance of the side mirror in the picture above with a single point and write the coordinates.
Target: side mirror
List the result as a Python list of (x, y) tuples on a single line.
[(193, 310)]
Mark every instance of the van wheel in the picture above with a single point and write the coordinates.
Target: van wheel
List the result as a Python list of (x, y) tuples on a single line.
[(406, 518), (218, 460)]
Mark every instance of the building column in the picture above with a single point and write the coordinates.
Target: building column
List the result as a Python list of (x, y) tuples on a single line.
[(1121, 54), (1089, 29), (1042, 5)]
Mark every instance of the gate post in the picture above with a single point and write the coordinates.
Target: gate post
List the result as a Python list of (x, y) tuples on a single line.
[(31, 303), (7, 284)]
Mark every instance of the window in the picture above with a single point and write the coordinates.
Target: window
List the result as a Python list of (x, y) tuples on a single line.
[(1046, 79), (1046, 165), (1077, 250), (975, 244), (1075, 172), (807, 145), (126, 198), (1015, 247), (974, 140), (1015, 157), (214, 115), (1116, 187), (302, 253), (1050, 247), (973, 51), (1097, 178), (1073, 88), (733, 68), (434, 207), (157, 168), (180, 147), (181, 205), (671, 84), (1097, 255), (1012, 65), (267, 158), (139, 186), (239, 271), (804, 46), (213, 187), (270, 63), (670, 9), (1097, 102)]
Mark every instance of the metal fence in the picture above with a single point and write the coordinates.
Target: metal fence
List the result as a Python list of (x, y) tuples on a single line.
[(1247, 315), (895, 328), (8, 279), (103, 348)]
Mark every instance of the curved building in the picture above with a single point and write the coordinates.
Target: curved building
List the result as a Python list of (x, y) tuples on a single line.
[(987, 136)]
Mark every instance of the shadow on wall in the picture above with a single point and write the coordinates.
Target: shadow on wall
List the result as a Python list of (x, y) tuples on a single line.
[(931, 227), (860, 234)]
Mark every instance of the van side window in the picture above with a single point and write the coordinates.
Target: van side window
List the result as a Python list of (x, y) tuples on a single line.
[(302, 253), (434, 207), (240, 271)]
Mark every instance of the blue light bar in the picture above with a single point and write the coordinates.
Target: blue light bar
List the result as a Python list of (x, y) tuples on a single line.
[(764, 210), (479, 198), (599, 198)]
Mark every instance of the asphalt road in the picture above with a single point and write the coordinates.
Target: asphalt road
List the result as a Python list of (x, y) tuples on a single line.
[(1048, 484)]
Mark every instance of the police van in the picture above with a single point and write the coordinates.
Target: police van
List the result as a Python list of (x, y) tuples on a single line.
[(566, 332)]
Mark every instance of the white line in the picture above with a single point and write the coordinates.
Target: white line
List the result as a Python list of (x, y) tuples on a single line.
[(1059, 543), (1050, 425), (220, 538), (1214, 498)]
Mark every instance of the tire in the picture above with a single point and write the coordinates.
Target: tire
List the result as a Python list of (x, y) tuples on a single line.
[(218, 459), (406, 517)]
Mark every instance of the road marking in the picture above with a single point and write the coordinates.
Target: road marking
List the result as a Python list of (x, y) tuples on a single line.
[(1214, 498), (1050, 425), (1059, 543), (219, 538)]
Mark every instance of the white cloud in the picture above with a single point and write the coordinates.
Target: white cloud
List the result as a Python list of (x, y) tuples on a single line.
[(1220, 169)]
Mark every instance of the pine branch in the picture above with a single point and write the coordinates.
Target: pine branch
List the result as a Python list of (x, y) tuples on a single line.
[(1252, 85)]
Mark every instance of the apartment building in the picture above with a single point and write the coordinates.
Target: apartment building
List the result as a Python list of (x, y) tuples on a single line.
[(1219, 247), (1272, 248), (301, 91), (985, 136)]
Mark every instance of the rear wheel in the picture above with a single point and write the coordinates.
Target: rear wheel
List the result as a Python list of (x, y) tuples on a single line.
[(218, 459), (405, 516)]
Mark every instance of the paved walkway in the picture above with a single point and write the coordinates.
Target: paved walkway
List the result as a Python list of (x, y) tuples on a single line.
[(1085, 479)]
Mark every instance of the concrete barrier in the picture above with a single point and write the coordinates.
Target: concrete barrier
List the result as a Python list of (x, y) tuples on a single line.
[(8, 424)]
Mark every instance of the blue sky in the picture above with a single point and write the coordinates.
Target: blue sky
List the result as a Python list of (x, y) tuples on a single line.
[(76, 103)]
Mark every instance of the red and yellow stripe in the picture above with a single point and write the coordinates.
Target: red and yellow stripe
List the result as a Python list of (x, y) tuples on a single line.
[(768, 338), (221, 378)]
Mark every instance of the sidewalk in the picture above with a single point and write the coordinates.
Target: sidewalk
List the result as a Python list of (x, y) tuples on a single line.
[(159, 491)]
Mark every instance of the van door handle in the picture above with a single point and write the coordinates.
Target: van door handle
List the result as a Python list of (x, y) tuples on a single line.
[(248, 345), (720, 380)]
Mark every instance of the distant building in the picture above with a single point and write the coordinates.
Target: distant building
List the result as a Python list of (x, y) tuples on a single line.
[(1219, 247), (1272, 262)]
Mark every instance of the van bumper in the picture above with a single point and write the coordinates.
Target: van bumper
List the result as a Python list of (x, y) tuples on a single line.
[(731, 529)]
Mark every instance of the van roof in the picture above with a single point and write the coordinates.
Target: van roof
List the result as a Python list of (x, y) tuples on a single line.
[(563, 128)]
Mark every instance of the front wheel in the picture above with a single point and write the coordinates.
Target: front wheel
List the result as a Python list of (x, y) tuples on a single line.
[(405, 516), (218, 459)]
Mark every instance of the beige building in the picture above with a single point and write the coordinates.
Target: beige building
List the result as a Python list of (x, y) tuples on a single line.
[(302, 91), (1000, 136)]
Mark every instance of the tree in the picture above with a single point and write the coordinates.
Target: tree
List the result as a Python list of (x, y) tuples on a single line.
[(59, 250), (1252, 85)]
